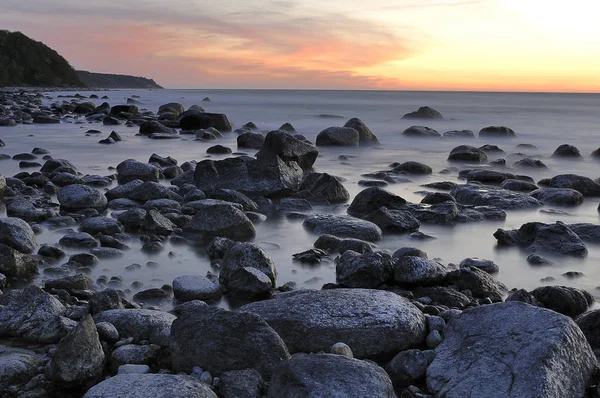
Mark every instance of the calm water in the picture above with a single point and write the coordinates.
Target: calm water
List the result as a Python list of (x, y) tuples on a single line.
[(545, 120)]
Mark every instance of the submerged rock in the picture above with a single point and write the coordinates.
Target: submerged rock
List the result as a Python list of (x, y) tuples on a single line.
[(474, 194), (221, 220), (17, 234), (365, 135), (586, 186), (558, 196), (153, 326), (77, 196), (342, 226), (338, 136), (288, 148), (543, 238), (467, 153), (497, 132), (424, 112), (421, 132)]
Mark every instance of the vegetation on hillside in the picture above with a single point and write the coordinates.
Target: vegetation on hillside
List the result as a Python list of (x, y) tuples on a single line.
[(105, 80)]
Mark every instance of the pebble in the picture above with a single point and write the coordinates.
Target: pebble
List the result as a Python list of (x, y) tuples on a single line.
[(433, 339), (133, 369), (342, 349)]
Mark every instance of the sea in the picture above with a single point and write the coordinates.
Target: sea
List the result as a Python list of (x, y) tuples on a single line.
[(545, 120)]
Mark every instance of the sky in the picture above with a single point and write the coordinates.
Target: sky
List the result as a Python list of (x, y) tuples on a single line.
[(466, 45)]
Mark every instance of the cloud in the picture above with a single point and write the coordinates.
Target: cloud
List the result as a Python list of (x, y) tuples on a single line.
[(264, 43)]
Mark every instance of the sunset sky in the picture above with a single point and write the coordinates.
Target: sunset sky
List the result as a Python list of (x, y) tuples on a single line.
[(496, 45)]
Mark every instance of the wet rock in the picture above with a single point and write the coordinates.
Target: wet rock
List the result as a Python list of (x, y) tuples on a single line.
[(518, 185), (338, 136), (17, 368), (79, 196), (74, 282), (17, 234), (289, 149), (523, 296), (249, 281), (478, 195), (78, 240), (100, 225), (409, 367), (412, 168), (246, 255), (153, 126), (410, 252), (417, 271), (459, 133), (16, 265), (325, 186), (478, 282), (79, 358), (329, 375), (107, 332), (218, 150), (543, 238), (312, 321), (562, 299), (536, 259), (421, 132), (153, 326), (586, 186), (130, 170), (442, 295), (589, 323), (147, 354), (105, 300), (195, 287), (218, 247), (53, 164), (230, 195), (368, 270), (485, 265), (250, 140), (467, 153), (586, 231), (342, 226), (245, 383), (395, 221), (224, 341), (558, 196), (42, 119), (269, 176), (366, 136), (372, 199), (471, 361), (497, 132), (424, 112), (530, 163), (151, 385), (223, 221), (567, 151)]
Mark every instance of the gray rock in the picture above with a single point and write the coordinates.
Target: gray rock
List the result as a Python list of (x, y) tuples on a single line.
[(100, 225), (16, 265), (518, 185), (342, 349), (221, 221), (327, 375), (566, 300), (485, 265), (105, 300), (411, 168), (467, 153), (107, 332), (395, 221), (441, 295), (17, 367), (78, 240), (249, 281), (369, 270), (288, 148), (365, 135), (421, 132), (245, 383), (586, 186), (486, 176), (270, 176), (558, 196), (224, 341), (151, 385), (372, 199), (586, 231), (246, 255), (418, 271), (130, 170), (478, 195), (409, 367), (478, 282), (128, 369), (2, 186), (326, 186), (496, 351), (195, 287), (77, 196), (79, 359), (153, 127), (218, 247), (75, 282), (342, 226), (567, 151), (312, 321), (250, 140), (543, 238), (589, 323), (338, 136), (134, 354), (530, 164), (154, 326), (17, 234), (497, 132), (424, 112), (459, 133)]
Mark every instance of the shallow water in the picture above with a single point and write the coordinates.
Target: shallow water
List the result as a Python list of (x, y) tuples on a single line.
[(545, 120)]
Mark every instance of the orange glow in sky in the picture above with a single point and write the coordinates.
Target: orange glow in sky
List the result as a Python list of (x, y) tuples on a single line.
[(495, 45)]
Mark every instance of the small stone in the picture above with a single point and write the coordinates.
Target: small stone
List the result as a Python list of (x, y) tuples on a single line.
[(133, 369), (434, 339), (342, 349)]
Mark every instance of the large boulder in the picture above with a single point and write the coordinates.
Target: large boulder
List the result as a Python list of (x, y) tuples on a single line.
[(77, 196), (338, 136), (424, 112), (479, 195), (79, 359), (537, 237), (565, 300), (394, 221), (497, 132), (325, 186), (329, 375), (567, 151), (342, 226), (365, 135), (289, 149), (151, 385), (154, 127), (418, 271), (221, 220), (130, 170), (269, 176), (421, 132), (17, 265), (218, 340), (17, 234), (374, 323), (246, 255), (586, 186), (195, 120), (589, 323), (368, 270), (150, 325), (17, 367), (511, 349), (371, 199), (467, 153), (558, 196)]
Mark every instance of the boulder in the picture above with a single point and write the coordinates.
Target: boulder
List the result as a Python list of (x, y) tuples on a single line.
[(586, 186), (325, 186), (77, 196), (329, 375), (459, 134), (412, 168), (421, 132), (479, 283), (224, 341), (195, 287), (485, 265), (567, 151), (289, 149), (250, 140), (589, 233), (409, 367), (565, 300), (518, 185), (368, 270), (174, 107), (78, 359), (511, 350), (467, 153), (419, 271), (246, 255), (140, 324), (537, 237), (17, 367), (17, 234), (100, 225), (342, 226), (374, 323), (119, 110), (16, 265), (558, 196), (589, 323), (372, 199), (424, 112), (151, 385), (153, 127), (497, 132), (269, 176), (479, 195), (395, 221), (245, 383), (365, 135), (221, 220), (130, 170), (338, 136)]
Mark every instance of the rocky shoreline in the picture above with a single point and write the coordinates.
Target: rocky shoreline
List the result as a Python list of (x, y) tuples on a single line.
[(394, 323)]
